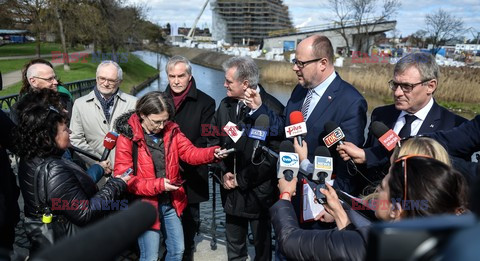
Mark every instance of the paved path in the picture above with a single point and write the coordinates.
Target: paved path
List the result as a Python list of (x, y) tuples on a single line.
[(11, 78)]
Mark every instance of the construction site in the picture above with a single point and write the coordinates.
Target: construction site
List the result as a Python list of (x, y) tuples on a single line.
[(248, 22)]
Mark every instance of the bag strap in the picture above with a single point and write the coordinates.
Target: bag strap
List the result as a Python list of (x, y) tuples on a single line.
[(134, 157)]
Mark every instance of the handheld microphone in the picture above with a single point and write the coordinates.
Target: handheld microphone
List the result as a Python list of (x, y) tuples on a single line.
[(119, 230), (86, 153), (259, 132), (335, 135), (109, 143), (323, 164), (288, 161), (232, 130), (387, 137), (297, 127)]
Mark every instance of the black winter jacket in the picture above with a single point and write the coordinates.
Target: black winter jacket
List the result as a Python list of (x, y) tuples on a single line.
[(298, 244), (65, 188), (256, 183)]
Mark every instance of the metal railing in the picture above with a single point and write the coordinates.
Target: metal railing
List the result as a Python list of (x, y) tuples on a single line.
[(77, 89)]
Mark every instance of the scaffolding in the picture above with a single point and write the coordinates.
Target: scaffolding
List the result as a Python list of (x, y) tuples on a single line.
[(247, 22)]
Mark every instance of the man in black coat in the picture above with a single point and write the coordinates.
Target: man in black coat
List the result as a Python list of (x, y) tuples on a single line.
[(414, 112), (9, 191), (249, 181), (193, 108)]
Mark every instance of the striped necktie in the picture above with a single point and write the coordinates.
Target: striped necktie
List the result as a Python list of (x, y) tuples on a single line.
[(306, 104)]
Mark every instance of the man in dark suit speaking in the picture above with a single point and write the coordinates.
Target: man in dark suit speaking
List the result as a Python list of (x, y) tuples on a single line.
[(414, 112), (322, 96)]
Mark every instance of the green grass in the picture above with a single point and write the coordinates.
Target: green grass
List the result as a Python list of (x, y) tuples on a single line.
[(12, 65), (29, 49), (135, 71)]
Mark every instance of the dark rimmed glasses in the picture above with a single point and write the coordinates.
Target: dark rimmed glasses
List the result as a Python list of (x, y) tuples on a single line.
[(301, 64), (109, 81), (406, 87), (404, 159)]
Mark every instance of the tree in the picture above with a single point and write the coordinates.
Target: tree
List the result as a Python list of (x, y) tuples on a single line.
[(441, 27), (343, 14)]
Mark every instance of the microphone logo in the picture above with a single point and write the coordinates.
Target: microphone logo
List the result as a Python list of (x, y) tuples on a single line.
[(295, 129), (232, 131), (109, 140), (324, 163), (289, 159), (333, 137), (257, 134)]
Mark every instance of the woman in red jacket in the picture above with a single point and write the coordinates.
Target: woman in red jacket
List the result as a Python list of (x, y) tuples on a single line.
[(159, 145)]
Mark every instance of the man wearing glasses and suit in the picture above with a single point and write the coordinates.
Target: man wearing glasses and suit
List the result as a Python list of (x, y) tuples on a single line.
[(94, 114), (414, 112), (322, 96)]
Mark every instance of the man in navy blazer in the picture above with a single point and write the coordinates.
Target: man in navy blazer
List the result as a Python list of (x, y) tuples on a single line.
[(415, 79), (332, 99)]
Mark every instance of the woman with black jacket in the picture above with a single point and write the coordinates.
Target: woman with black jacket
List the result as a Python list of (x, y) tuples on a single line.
[(58, 194)]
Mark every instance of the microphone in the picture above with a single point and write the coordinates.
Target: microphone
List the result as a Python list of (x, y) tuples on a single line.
[(297, 127), (288, 161), (119, 231), (86, 153), (259, 132), (335, 134), (232, 130), (387, 137), (109, 143), (323, 164)]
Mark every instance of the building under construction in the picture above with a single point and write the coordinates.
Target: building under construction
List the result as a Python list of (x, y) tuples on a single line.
[(247, 22)]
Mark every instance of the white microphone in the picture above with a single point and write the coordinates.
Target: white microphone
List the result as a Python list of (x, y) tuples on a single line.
[(232, 130), (298, 127), (323, 164), (288, 161)]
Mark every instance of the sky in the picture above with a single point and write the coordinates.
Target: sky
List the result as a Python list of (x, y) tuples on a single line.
[(410, 16)]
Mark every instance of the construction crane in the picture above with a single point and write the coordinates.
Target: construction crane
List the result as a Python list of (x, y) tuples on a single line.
[(191, 33)]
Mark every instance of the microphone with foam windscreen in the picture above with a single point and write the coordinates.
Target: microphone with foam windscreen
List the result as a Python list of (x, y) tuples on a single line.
[(323, 164), (335, 135), (106, 239), (298, 128), (109, 143), (86, 153), (387, 137), (259, 132), (288, 161)]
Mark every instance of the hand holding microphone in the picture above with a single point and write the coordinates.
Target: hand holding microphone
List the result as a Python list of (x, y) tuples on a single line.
[(287, 188), (349, 151), (301, 150)]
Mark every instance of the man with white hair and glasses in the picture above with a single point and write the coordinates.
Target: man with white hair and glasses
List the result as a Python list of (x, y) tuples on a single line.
[(94, 114)]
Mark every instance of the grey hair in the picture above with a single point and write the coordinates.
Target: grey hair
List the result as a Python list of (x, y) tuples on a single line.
[(247, 69), (424, 62), (107, 62), (178, 59)]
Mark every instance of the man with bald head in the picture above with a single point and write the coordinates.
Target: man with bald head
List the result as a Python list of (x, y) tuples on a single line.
[(41, 76), (322, 96), (94, 114)]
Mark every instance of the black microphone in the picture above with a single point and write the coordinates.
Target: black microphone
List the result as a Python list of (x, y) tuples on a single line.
[(105, 239), (86, 153), (259, 132), (386, 136)]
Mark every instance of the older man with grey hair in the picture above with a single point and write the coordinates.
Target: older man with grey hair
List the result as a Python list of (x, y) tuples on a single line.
[(94, 114), (415, 111), (249, 181)]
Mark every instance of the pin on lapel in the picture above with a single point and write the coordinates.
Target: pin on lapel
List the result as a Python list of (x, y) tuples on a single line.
[(431, 126), (329, 98)]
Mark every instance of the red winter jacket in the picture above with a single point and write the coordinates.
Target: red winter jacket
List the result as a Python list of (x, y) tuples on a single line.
[(145, 184)]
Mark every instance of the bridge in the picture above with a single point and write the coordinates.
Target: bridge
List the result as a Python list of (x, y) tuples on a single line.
[(357, 35)]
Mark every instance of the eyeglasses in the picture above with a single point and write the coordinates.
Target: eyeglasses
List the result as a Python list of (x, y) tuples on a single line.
[(109, 81), (301, 64), (51, 79), (404, 159), (406, 87), (157, 123)]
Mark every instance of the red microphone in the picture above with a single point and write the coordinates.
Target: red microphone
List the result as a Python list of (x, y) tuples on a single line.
[(387, 137), (298, 128), (109, 143)]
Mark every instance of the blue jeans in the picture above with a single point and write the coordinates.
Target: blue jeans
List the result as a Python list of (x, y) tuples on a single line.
[(171, 227)]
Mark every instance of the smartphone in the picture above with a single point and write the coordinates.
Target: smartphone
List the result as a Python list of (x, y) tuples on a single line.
[(222, 152), (178, 182), (127, 172)]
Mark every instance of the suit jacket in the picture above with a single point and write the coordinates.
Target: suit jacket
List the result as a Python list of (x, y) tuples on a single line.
[(89, 125), (196, 110), (342, 104), (438, 118)]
